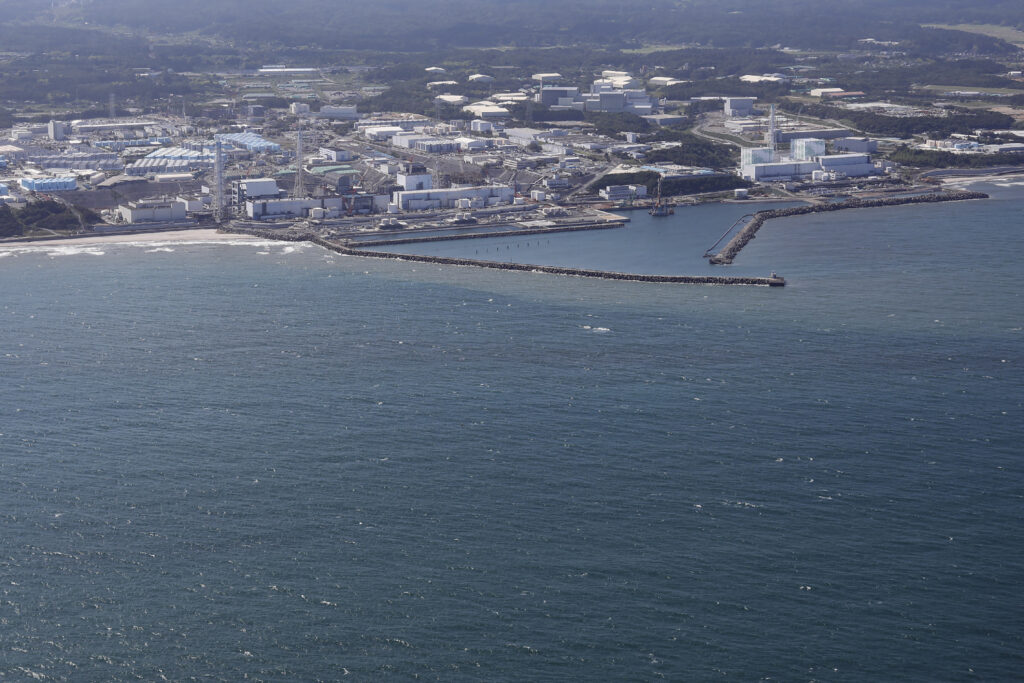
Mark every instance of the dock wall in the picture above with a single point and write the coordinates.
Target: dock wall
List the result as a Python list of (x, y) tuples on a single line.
[(479, 235)]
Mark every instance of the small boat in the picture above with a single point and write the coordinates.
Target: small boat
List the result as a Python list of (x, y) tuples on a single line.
[(660, 208)]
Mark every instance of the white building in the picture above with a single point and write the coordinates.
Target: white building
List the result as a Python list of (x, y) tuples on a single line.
[(481, 78), (805, 149), (756, 155), (330, 111), (487, 110), (779, 170), (298, 108), (435, 146), (467, 144), (254, 188), (620, 193), (57, 130), (152, 210), (415, 181), (451, 100), (335, 154), (420, 200), (663, 82), (525, 136), (381, 133), (547, 77), (852, 164), (326, 207), (407, 140), (739, 106)]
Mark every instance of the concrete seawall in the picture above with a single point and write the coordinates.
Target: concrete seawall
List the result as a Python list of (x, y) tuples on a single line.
[(499, 265), (749, 231), (480, 235)]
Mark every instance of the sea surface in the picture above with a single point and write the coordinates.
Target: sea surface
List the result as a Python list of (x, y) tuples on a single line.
[(259, 460)]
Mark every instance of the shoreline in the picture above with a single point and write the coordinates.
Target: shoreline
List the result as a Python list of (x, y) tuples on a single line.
[(164, 236), (966, 180)]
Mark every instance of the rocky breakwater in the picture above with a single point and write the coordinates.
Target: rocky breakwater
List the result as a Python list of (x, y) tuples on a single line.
[(749, 231), (348, 250)]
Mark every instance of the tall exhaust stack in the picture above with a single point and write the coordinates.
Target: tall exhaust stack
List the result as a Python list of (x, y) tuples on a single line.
[(218, 184), (300, 186)]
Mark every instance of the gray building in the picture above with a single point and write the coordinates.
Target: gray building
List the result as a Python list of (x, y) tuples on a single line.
[(57, 130), (739, 106), (861, 145)]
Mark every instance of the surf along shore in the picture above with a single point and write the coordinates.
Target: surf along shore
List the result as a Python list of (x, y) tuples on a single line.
[(724, 257)]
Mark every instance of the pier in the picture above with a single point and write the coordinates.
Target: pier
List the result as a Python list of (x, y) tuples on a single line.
[(749, 231)]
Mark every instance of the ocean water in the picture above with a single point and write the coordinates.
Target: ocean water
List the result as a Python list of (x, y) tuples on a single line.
[(665, 245), (265, 461)]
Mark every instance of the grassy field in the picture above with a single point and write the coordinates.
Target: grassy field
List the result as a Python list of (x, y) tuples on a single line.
[(1007, 33)]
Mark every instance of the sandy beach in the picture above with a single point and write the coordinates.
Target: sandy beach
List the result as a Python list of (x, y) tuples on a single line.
[(197, 235)]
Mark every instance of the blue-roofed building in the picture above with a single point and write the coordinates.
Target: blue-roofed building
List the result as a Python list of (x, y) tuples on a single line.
[(251, 141), (48, 184)]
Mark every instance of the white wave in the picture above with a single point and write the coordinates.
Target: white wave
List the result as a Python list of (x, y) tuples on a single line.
[(56, 249), (51, 250), (199, 243), (74, 251)]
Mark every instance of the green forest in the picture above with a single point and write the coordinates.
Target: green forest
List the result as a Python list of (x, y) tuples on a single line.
[(921, 158), (387, 25), (960, 121)]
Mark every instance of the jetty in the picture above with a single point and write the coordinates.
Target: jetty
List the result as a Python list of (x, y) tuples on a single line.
[(349, 250), (749, 231)]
